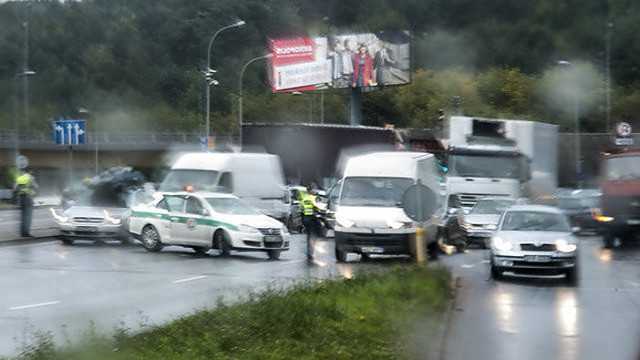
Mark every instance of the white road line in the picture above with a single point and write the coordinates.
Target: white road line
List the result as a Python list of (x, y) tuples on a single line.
[(34, 305), (189, 279), (27, 245), (468, 266)]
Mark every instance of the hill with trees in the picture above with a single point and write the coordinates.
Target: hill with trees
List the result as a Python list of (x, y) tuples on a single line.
[(136, 64)]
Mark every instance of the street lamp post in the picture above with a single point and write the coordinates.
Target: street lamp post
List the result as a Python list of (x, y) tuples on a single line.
[(576, 113), (609, 27), (16, 127), (209, 70), (240, 93), (298, 93)]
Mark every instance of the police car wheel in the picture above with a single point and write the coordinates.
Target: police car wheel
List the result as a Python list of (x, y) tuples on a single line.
[(223, 244), (151, 239), (341, 256)]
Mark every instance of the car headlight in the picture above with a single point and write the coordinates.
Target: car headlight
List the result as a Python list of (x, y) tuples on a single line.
[(564, 246), (397, 225), (59, 218), (111, 219), (500, 244), (344, 222), (248, 229), (284, 230)]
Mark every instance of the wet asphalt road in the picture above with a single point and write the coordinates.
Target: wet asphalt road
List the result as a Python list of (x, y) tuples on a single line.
[(67, 290), (522, 318)]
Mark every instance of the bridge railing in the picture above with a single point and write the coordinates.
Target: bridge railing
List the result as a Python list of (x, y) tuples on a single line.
[(112, 137)]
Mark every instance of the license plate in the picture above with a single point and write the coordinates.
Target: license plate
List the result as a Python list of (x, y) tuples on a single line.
[(537, 258), (372, 249), (272, 238), (633, 222), (88, 229)]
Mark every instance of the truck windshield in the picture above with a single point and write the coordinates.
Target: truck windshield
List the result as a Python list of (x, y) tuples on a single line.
[(483, 166), (623, 168), (201, 180), (374, 191)]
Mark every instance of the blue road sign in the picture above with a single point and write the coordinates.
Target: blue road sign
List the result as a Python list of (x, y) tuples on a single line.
[(69, 132)]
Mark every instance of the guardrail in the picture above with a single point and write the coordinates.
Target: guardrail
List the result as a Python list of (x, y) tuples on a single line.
[(133, 137)]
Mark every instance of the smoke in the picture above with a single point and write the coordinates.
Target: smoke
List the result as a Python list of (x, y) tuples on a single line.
[(572, 89)]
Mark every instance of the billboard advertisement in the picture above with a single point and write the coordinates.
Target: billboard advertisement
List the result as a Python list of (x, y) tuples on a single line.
[(340, 61)]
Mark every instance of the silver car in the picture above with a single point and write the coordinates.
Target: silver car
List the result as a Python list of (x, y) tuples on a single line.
[(479, 223), (534, 239)]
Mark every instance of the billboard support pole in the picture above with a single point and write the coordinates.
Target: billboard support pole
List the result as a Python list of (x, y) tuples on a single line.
[(356, 106)]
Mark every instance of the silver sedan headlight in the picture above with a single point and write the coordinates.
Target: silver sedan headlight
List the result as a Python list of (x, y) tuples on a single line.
[(60, 218), (565, 246), (500, 244)]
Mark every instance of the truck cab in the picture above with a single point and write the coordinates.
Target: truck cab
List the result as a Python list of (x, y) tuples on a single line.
[(620, 211)]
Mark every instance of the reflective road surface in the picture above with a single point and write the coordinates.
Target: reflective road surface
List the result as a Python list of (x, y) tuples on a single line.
[(522, 318)]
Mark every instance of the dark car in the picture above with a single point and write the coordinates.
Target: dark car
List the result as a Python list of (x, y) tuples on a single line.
[(579, 205)]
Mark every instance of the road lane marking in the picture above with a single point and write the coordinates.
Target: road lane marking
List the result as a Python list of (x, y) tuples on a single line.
[(34, 305), (27, 245), (468, 266), (189, 279)]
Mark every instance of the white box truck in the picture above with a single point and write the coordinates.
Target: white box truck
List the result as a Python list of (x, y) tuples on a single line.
[(257, 178), (500, 157), (369, 218)]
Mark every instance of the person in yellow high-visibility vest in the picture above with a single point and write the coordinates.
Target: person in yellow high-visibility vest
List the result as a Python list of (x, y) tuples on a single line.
[(26, 187), (308, 210)]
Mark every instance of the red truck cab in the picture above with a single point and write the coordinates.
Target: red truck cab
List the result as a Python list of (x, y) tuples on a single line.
[(620, 211)]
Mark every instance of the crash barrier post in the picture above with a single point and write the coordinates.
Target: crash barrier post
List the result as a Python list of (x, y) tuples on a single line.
[(418, 245)]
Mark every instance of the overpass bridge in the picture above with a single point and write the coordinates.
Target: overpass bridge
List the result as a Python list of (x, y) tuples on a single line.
[(56, 165)]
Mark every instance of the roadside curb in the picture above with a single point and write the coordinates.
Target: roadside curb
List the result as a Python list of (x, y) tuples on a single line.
[(436, 350)]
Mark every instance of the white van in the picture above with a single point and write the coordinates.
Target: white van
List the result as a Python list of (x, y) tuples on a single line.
[(256, 178), (369, 218)]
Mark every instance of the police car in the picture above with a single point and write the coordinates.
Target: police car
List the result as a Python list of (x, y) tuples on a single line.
[(204, 221)]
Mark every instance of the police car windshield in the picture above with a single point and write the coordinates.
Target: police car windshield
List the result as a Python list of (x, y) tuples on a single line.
[(231, 206), (201, 180)]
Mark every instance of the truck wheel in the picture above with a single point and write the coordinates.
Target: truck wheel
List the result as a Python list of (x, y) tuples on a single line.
[(341, 256), (608, 238)]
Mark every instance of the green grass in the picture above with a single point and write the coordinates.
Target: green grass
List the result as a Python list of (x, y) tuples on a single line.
[(386, 314)]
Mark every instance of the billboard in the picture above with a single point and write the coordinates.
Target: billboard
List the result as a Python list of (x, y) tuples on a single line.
[(340, 61)]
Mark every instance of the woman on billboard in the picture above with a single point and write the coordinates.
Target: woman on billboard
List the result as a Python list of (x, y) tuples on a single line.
[(363, 68)]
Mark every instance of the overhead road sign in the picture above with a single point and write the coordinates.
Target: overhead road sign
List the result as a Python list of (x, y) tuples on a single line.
[(69, 132)]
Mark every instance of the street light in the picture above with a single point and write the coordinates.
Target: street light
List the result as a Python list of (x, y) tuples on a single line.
[(87, 113), (209, 71), (240, 93), (609, 27), (577, 123), (298, 93), (25, 74)]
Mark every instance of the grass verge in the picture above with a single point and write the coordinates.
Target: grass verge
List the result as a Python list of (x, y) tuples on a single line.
[(385, 314)]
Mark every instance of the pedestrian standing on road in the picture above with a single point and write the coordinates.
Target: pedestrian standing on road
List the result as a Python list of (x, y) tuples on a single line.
[(26, 187), (309, 209)]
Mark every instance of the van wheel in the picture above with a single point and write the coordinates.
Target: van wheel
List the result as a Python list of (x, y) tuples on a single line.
[(66, 241), (273, 254), (341, 256), (151, 239), (199, 250), (223, 244)]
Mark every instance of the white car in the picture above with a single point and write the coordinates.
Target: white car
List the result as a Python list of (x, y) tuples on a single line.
[(204, 221), (534, 239)]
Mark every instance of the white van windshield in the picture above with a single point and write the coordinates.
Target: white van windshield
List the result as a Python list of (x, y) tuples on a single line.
[(374, 191), (201, 180)]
